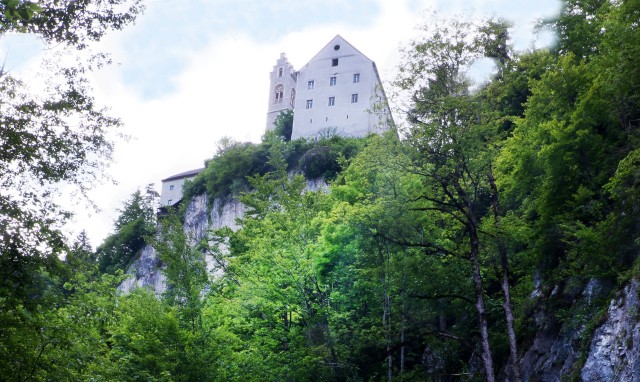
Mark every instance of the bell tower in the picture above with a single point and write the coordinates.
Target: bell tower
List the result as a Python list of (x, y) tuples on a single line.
[(282, 89)]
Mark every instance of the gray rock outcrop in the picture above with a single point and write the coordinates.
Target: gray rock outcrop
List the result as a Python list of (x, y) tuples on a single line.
[(614, 353), (146, 271)]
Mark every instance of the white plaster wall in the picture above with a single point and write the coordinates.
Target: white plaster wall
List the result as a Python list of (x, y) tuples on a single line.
[(344, 117), (167, 194)]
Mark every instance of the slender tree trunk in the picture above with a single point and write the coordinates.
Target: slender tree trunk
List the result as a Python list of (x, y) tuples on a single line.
[(504, 262), (480, 308), (404, 322), (386, 310), (402, 350), (442, 320)]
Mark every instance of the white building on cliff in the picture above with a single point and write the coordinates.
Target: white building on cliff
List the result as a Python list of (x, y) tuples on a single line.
[(337, 92), (171, 192)]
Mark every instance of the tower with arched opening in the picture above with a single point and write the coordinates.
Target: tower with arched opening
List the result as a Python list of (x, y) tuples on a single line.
[(282, 89)]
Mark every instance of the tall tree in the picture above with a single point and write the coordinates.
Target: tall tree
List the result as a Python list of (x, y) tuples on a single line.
[(133, 228), (48, 136), (272, 282), (454, 145)]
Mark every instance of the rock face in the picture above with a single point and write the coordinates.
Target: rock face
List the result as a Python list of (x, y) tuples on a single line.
[(144, 272), (199, 219), (555, 348), (614, 353), (614, 349)]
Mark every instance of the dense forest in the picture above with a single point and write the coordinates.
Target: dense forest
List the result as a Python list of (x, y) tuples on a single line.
[(428, 256)]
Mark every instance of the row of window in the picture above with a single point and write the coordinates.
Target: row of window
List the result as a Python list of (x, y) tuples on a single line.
[(332, 101), (332, 81)]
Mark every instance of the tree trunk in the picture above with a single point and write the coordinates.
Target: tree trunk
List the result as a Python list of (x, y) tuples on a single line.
[(402, 350), (480, 308), (386, 310), (504, 263), (404, 319)]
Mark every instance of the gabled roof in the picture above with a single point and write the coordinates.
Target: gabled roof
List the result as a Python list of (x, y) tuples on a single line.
[(186, 174), (338, 40)]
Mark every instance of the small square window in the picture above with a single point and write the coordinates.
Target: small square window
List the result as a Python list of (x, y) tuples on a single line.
[(332, 81), (311, 84), (309, 103), (171, 187), (334, 62), (332, 101), (356, 78), (354, 98), (169, 201)]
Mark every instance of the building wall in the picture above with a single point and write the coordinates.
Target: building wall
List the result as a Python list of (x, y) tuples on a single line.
[(342, 106), (323, 106), (171, 192), (282, 89)]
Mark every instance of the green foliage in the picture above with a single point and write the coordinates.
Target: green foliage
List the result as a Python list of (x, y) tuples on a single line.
[(63, 336), (326, 158), (185, 270), (574, 135), (56, 135), (52, 137), (283, 125), (227, 173), (72, 23), (147, 342), (134, 225), (272, 300)]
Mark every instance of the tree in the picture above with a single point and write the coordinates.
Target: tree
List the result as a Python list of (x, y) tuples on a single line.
[(49, 137), (73, 23), (146, 340), (391, 300), (453, 140), (185, 269), (56, 136), (133, 228), (283, 125), (270, 296)]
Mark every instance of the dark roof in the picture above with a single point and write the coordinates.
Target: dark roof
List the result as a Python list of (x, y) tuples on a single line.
[(186, 174)]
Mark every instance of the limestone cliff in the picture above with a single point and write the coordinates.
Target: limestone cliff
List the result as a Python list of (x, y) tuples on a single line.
[(614, 353), (613, 347), (146, 270)]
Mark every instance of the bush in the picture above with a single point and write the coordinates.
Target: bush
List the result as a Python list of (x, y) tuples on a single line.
[(318, 162), (226, 173)]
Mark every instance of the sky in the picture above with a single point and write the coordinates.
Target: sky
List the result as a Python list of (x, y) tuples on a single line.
[(189, 73)]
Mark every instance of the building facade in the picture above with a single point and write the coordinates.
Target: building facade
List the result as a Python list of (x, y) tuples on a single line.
[(337, 92), (171, 192)]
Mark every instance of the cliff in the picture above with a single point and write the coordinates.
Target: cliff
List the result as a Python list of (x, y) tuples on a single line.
[(146, 270), (607, 350)]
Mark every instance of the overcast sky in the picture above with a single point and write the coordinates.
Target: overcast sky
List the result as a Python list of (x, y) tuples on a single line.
[(191, 72)]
